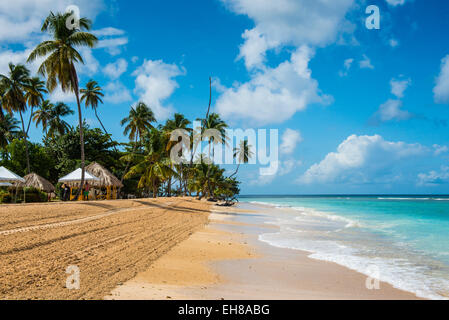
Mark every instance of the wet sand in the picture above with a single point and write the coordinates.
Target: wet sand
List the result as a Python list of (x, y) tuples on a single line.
[(226, 261)]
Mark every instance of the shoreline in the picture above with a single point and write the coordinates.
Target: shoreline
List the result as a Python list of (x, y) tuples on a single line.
[(225, 260)]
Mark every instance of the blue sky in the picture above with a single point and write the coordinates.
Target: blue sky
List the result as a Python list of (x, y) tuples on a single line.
[(358, 110)]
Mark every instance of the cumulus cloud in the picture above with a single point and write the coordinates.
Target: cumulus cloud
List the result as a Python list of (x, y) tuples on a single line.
[(360, 159), (115, 69), (25, 17), (155, 83), (273, 95), (289, 22), (441, 89), (391, 110), (439, 149), (398, 87), (290, 139), (434, 178), (116, 92)]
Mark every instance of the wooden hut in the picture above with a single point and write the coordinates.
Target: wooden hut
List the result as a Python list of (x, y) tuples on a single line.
[(35, 181), (107, 183)]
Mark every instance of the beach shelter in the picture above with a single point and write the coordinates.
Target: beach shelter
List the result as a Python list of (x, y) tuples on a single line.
[(73, 180), (107, 181), (7, 176), (35, 181)]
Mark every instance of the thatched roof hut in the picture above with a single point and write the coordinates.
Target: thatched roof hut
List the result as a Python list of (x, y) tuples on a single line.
[(107, 179), (35, 181)]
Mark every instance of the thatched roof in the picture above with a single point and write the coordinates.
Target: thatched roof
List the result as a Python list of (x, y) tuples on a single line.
[(35, 181), (107, 179)]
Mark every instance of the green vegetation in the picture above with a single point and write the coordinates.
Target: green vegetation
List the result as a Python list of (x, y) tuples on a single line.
[(143, 164)]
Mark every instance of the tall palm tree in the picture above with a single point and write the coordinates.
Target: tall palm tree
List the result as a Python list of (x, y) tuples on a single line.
[(178, 122), (16, 84), (214, 122), (61, 57), (8, 130), (137, 123), (243, 153), (34, 96)]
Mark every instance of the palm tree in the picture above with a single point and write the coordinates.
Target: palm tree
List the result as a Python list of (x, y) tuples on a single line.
[(43, 115), (61, 57), (214, 122), (56, 124), (34, 96), (243, 153), (178, 122), (8, 130), (137, 123), (91, 96), (15, 84)]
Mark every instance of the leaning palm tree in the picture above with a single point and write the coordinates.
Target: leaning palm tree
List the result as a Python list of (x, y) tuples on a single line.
[(15, 85), (9, 129), (137, 123), (91, 96), (34, 96), (243, 153), (60, 58)]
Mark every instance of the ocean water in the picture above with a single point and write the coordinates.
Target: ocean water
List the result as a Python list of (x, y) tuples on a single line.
[(402, 240)]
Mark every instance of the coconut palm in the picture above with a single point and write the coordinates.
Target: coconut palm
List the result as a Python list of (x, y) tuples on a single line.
[(34, 96), (91, 96), (243, 153), (214, 122), (178, 122), (60, 58), (15, 85), (43, 115), (56, 125), (9, 129), (137, 123)]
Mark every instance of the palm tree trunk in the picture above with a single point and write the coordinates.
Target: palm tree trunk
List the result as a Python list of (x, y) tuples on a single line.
[(26, 143), (29, 121), (129, 161), (80, 119), (104, 129), (237, 170)]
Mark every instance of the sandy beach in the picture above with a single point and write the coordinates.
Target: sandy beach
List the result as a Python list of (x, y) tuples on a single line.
[(109, 242), (225, 260)]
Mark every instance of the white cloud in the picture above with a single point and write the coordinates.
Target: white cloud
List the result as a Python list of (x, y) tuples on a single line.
[(154, 84), (116, 92), (441, 89), (439, 149), (395, 3), (360, 159), (346, 66), (107, 32), (290, 139), (434, 178), (289, 22), (273, 95), (25, 17), (60, 96), (113, 45), (391, 110), (398, 87), (287, 166), (116, 69), (365, 63)]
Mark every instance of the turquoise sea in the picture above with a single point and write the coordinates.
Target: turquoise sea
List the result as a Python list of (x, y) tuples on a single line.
[(402, 240)]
